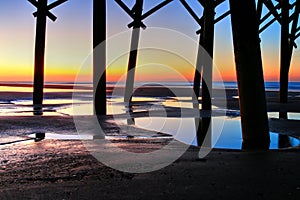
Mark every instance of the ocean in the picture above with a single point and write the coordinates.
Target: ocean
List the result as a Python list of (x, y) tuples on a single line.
[(269, 86)]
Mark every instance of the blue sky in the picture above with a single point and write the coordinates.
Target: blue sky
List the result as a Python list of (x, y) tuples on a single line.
[(69, 37)]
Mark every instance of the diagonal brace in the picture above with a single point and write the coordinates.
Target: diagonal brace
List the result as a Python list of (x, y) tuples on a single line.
[(273, 9), (151, 11), (49, 7), (192, 13), (37, 5), (125, 8)]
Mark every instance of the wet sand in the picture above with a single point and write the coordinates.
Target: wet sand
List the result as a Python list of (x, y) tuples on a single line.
[(64, 169), (52, 169)]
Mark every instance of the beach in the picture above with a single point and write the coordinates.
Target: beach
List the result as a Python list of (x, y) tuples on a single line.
[(60, 168), (64, 170)]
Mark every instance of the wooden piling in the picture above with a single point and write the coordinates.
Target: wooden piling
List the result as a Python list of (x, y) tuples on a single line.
[(138, 9), (285, 56), (208, 44), (252, 100), (99, 57), (39, 58), (43, 11)]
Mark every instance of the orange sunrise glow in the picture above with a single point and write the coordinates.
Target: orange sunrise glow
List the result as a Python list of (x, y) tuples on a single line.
[(69, 43)]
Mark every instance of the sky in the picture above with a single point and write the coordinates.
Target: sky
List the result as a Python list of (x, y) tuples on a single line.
[(69, 41)]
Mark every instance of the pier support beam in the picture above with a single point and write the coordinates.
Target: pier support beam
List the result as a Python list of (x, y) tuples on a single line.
[(252, 100), (203, 65), (43, 11), (135, 37), (99, 56), (40, 40), (285, 55), (208, 44)]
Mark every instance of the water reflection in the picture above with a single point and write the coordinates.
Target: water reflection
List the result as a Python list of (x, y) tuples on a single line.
[(284, 141), (50, 107), (184, 128), (30, 89), (230, 138), (290, 115), (55, 136)]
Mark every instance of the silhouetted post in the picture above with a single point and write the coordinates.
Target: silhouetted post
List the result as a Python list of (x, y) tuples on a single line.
[(252, 100), (135, 37), (137, 11), (40, 39), (287, 45), (199, 123), (99, 56), (285, 56), (203, 65), (198, 70), (287, 39), (208, 45), (197, 75), (206, 41)]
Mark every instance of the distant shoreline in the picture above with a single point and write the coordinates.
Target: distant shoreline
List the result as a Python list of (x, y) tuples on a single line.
[(146, 91), (229, 85), (50, 86), (229, 95)]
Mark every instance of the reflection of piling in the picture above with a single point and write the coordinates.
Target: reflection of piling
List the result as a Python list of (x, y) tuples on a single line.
[(40, 39), (204, 132), (250, 78), (99, 56), (283, 141)]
